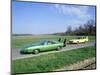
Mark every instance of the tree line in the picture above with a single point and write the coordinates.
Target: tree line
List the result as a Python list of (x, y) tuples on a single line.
[(89, 28), (22, 34)]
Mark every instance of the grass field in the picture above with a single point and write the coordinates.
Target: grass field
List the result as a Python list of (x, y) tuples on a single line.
[(19, 41), (50, 62)]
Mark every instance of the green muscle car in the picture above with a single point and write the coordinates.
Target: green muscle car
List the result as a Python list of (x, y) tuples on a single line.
[(44, 45)]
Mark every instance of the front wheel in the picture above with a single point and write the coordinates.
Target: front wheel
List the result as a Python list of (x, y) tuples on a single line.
[(36, 51)]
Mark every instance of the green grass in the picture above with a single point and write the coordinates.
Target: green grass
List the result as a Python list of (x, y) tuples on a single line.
[(50, 62), (19, 41)]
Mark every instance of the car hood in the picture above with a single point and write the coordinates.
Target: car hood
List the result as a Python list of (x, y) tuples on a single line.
[(30, 45)]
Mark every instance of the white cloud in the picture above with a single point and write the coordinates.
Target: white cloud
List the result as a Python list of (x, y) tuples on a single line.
[(80, 12)]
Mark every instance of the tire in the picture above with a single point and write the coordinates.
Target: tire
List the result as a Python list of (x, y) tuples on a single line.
[(64, 45), (58, 48), (36, 51)]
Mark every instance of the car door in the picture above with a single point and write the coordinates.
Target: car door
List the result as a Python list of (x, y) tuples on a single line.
[(52, 45), (44, 46)]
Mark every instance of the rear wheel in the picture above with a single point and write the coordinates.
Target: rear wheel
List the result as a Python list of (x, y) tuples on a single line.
[(58, 48), (36, 51)]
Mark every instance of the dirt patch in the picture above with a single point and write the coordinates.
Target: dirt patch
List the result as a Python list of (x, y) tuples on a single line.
[(79, 65), (92, 66)]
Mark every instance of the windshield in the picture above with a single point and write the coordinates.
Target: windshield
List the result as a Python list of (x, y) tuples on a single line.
[(78, 37)]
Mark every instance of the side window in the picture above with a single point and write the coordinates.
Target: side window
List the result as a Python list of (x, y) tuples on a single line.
[(50, 42), (45, 43), (83, 37)]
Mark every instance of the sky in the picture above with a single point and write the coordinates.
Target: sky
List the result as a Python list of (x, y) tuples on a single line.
[(46, 18)]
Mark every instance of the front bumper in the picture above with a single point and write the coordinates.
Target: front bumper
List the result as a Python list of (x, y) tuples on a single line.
[(23, 52), (72, 42)]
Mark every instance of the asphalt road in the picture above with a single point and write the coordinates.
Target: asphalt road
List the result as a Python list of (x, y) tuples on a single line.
[(16, 52)]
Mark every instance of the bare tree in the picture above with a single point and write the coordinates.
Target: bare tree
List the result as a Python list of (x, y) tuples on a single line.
[(89, 28), (69, 30)]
